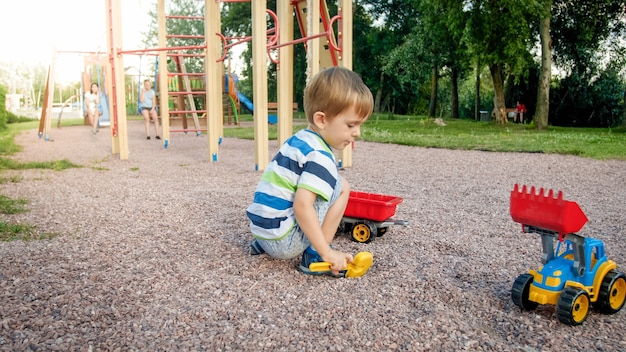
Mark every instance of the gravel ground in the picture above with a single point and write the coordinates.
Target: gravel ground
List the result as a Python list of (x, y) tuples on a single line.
[(153, 253)]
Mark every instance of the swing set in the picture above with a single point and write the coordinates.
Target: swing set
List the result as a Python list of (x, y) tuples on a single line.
[(92, 73)]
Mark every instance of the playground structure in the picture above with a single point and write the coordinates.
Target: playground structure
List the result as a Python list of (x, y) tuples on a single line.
[(577, 273), (324, 49)]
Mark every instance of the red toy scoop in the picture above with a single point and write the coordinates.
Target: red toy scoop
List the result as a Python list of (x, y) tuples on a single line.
[(545, 211)]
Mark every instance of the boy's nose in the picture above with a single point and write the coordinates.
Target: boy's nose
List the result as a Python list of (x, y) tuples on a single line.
[(357, 131)]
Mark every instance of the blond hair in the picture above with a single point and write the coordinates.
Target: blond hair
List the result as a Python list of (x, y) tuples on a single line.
[(335, 89)]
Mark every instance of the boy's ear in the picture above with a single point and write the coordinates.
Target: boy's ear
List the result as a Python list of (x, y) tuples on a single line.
[(319, 119)]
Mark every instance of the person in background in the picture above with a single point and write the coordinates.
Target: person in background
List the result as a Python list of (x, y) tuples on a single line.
[(92, 102), (301, 198), (147, 99), (520, 109)]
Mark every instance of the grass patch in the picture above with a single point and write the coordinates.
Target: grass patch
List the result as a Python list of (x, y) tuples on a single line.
[(25, 232), (12, 206), (21, 232), (596, 143)]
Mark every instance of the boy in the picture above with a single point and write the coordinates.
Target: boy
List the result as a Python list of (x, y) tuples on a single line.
[(301, 198)]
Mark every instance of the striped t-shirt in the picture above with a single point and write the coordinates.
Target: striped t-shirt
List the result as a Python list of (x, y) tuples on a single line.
[(304, 161)]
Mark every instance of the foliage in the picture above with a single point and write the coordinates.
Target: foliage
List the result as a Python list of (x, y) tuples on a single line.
[(578, 103)]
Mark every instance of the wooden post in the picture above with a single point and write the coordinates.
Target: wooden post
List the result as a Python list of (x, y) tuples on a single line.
[(115, 83), (345, 58), (285, 71), (48, 97), (259, 34), (314, 47), (214, 111), (164, 107)]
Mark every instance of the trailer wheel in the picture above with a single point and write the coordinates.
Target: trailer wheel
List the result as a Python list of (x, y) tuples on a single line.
[(363, 232), (612, 293), (520, 292), (573, 306)]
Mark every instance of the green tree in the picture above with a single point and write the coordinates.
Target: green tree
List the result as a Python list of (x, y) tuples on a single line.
[(588, 37), (545, 74), (499, 36)]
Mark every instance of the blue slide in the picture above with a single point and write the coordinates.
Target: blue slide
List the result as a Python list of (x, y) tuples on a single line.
[(105, 118), (246, 102), (272, 119)]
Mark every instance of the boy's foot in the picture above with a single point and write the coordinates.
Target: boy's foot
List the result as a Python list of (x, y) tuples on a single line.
[(255, 248), (311, 256), (157, 137), (148, 138)]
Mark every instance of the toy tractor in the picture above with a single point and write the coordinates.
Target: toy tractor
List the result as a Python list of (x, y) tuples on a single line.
[(575, 275)]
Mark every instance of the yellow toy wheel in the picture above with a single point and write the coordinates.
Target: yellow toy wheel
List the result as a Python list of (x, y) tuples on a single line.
[(573, 306), (612, 293), (363, 232)]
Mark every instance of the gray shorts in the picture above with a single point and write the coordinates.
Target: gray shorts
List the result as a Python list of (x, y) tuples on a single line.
[(293, 244)]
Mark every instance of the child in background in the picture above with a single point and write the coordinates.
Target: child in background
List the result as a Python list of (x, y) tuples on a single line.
[(148, 108), (300, 200), (92, 102)]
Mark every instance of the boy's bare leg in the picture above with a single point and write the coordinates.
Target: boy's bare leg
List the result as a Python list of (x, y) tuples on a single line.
[(335, 212)]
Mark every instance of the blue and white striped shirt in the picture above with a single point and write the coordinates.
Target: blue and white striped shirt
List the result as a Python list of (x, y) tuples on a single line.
[(306, 161)]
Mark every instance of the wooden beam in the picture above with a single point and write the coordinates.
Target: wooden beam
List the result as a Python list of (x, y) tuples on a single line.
[(213, 105), (163, 89), (285, 71), (259, 41), (345, 42)]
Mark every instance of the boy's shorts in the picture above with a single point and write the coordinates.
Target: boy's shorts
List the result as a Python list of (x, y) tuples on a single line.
[(294, 243)]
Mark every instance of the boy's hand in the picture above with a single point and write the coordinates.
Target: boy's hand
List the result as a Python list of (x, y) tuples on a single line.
[(338, 260)]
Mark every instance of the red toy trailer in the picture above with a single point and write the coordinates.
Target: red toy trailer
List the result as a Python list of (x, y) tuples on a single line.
[(369, 215)]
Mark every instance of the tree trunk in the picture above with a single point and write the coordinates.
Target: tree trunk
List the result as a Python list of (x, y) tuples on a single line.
[(543, 91), (455, 93), (624, 117), (477, 96), (379, 93), (498, 100), (432, 110)]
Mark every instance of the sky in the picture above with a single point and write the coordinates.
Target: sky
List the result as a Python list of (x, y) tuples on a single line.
[(31, 29)]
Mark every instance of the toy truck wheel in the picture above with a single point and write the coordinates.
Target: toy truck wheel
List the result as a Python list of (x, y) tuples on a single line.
[(573, 306), (612, 293), (363, 232), (520, 292)]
